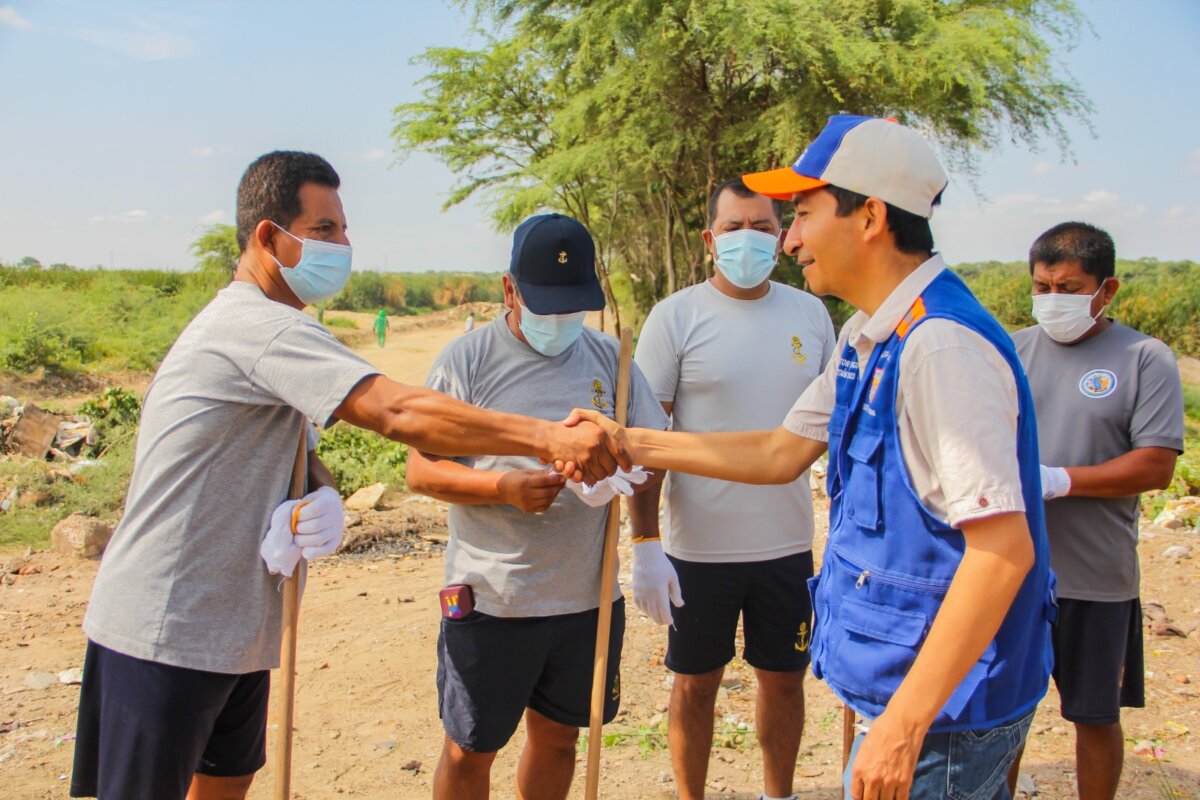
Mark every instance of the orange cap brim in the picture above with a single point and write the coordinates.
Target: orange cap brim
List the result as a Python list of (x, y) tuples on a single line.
[(780, 184)]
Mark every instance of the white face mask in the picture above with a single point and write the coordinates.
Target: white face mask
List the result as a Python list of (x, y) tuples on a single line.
[(1066, 317)]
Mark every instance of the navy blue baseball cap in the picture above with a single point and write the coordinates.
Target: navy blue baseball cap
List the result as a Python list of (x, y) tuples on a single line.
[(554, 265)]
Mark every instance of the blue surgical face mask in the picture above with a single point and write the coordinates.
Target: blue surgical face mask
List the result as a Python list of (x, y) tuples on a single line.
[(551, 334), (746, 257), (321, 272)]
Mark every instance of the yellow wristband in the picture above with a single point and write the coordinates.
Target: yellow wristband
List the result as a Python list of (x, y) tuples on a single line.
[(647, 538)]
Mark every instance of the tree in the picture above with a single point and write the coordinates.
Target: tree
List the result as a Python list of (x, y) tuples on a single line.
[(627, 113), (216, 250)]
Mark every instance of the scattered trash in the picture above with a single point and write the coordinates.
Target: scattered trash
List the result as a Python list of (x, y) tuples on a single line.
[(72, 676), (1178, 551), (1158, 622), (66, 737), (1026, 785)]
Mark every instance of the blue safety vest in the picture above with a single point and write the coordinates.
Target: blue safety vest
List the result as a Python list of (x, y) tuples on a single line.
[(889, 561)]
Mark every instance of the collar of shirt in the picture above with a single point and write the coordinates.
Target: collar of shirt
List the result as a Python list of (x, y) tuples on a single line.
[(868, 331)]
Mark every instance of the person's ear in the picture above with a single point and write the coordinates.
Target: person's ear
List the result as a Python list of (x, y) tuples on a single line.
[(874, 218), (510, 292), (264, 235), (710, 243), (1109, 290)]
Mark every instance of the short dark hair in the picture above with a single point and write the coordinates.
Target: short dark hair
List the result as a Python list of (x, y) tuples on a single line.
[(738, 187), (270, 189), (1092, 247), (911, 231)]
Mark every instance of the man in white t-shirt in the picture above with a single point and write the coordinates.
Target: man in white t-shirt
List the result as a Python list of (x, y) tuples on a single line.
[(731, 354)]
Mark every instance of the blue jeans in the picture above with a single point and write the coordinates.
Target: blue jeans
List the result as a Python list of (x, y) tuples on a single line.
[(964, 765)]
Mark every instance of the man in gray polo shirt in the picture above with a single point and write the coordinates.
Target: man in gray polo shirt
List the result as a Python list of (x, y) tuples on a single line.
[(729, 354), (1110, 425), (527, 553), (184, 619)]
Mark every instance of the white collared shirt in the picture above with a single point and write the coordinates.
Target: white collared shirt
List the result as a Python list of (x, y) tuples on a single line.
[(956, 406)]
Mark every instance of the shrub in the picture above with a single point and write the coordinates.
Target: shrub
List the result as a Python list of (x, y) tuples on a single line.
[(359, 458)]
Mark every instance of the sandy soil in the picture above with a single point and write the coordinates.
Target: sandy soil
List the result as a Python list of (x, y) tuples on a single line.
[(367, 721)]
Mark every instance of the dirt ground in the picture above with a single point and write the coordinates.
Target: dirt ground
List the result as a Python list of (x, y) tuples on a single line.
[(367, 724)]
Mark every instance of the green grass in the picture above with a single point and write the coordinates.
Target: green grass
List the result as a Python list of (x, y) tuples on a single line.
[(341, 322)]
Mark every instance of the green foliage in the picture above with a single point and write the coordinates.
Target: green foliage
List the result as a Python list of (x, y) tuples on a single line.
[(359, 458), (115, 414), (67, 319), (216, 250), (341, 322), (627, 114), (399, 293)]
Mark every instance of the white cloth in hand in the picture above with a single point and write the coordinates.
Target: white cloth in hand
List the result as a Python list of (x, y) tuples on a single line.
[(279, 549), (321, 523), (1055, 482), (655, 583), (604, 491)]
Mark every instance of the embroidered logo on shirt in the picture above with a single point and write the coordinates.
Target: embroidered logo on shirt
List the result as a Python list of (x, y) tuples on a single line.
[(598, 390), (1098, 383), (798, 350)]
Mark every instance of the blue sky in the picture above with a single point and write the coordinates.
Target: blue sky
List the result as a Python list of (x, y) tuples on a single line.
[(126, 125)]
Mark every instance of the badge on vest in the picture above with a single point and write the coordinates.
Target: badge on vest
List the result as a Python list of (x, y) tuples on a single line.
[(1098, 383)]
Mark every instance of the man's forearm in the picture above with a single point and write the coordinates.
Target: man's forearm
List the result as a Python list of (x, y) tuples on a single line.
[(452, 482), (437, 423), (1129, 474), (643, 509), (758, 457), (998, 555)]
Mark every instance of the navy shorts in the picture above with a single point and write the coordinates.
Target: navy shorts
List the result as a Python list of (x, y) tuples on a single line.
[(146, 728), (490, 669), (1098, 660), (770, 597)]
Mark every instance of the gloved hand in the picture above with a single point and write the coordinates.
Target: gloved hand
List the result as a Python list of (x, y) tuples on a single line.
[(321, 523), (1055, 482), (279, 549), (655, 583), (604, 491)]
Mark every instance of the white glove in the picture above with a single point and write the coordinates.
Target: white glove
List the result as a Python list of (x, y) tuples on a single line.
[(279, 549), (655, 584), (321, 523), (1055, 482), (604, 491)]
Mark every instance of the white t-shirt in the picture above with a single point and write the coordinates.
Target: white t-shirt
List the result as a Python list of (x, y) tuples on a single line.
[(734, 365), (956, 407)]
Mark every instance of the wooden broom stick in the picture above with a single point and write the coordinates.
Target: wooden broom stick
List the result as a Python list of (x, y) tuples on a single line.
[(287, 654), (607, 579)]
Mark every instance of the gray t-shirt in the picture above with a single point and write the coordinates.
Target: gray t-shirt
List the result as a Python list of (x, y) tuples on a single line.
[(733, 365), (1097, 400), (182, 581), (520, 564)]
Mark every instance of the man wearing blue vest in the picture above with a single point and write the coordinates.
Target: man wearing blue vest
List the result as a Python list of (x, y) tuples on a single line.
[(935, 599)]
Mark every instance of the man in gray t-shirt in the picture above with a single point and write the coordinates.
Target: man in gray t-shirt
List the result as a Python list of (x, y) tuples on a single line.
[(527, 553), (184, 618), (1110, 426)]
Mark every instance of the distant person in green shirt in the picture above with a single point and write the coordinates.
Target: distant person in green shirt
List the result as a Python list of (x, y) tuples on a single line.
[(381, 326)]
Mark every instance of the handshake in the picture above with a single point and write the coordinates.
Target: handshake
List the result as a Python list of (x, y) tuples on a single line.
[(588, 447)]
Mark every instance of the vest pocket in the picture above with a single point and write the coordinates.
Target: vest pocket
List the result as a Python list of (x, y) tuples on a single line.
[(863, 484), (876, 645)]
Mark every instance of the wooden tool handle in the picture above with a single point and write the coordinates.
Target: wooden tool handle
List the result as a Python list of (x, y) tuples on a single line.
[(847, 738), (608, 575), (287, 653)]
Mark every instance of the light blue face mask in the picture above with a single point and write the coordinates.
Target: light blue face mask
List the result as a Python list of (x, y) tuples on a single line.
[(746, 257), (321, 272), (551, 334)]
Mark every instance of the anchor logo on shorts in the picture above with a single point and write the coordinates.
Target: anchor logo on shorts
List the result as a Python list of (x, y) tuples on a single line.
[(616, 688), (802, 637), (598, 390), (798, 350)]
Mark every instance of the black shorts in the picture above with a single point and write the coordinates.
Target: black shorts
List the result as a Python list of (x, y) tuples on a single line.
[(145, 728), (1098, 664), (490, 669), (772, 599)]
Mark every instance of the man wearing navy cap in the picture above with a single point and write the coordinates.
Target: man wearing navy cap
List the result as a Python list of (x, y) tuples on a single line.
[(525, 554), (934, 601)]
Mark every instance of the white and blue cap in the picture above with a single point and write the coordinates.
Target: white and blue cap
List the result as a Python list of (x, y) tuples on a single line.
[(868, 155)]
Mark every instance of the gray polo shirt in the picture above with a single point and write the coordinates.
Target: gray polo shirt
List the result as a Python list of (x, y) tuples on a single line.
[(520, 564), (1097, 400), (182, 582)]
